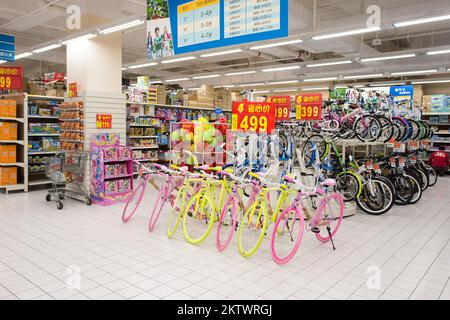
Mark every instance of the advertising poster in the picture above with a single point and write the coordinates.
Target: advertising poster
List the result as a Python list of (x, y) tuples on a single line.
[(159, 32)]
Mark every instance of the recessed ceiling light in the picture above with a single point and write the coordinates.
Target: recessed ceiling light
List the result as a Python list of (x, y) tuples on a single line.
[(281, 69), (347, 33), (220, 53), (179, 59), (421, 21), (277, 44), (240, 73), (401, 56)]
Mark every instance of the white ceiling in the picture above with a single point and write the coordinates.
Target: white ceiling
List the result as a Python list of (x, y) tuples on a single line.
[(34, 26)]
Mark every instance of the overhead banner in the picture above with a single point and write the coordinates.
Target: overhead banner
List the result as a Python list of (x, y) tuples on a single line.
[(402, 93), (7, 47), (258, 117), (205, 24), (159, 31)]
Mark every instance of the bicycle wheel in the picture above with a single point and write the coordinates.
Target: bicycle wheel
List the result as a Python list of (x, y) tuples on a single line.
[(308, 154), (329, 216), (349, 185), (404, 188), (198, 218), (227, 223), (367, 128), (157, 209), (133, 202), (417, 190), (176, 212), (432, 174), (377, 197), (387, 129), (287, 235), (252, 229)]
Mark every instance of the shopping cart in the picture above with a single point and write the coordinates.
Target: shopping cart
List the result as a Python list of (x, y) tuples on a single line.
[(67, 172)]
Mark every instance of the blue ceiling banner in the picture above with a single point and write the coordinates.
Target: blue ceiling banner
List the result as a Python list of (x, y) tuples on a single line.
[(206, 24), (7, 47)]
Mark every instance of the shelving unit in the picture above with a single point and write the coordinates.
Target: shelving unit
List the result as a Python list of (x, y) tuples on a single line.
[(42, 110), (443, 133), (19, 145)]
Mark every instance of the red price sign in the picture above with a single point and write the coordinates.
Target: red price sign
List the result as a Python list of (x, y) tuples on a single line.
[(308, 106), (104, 121), (73, 89), (11, 78), (283, 107), (258, 117)]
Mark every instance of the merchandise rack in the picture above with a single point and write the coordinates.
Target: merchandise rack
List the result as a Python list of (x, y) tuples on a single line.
[(21, 143), (443, 132), (38, 178)]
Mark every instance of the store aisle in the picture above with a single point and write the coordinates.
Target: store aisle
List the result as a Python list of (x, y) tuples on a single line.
[(43, 252)]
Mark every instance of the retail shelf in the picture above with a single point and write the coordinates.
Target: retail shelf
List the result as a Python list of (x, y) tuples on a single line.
[(39, 182), (144, 126), (439, 124), (12, 142), (146, 160), (172, 106), (144, 147), (71, 120), (39, 97), (13, 164), (44, 134), (12, 119), (441, 141), (76, 131), (143, 137), (443, 132), (14, 187), (43, 117), (118, 177), (116, 160), (41, 153)]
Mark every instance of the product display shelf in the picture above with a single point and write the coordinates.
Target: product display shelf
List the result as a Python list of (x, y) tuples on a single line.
[(440, 122), (43, 112), (13, 143), (73, 124)]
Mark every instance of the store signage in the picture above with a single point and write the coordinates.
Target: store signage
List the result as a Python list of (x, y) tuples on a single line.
[(205, 24), (402, 93), (283, 107), (73, 89), (256, 117), (104, 121), (308, 106), (54, 77), (7, 47), (11, 78)]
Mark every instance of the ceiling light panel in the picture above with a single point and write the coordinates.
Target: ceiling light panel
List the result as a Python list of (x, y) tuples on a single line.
[(281, 69), (401, 56), (209, 76), (405, 73), (346, 33), (220, 53), (277, 44), (325, 64), (122, 26), (179, 59), (421, 21), (240, 73), (321, 79)]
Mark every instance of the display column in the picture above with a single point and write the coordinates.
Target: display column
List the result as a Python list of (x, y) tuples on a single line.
[(96, 66)]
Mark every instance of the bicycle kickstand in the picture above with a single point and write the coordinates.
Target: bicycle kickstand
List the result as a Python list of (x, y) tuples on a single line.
[(331, 238)]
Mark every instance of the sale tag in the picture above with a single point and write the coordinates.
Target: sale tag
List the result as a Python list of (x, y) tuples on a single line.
[(402, 162), (392, 162), (413, 145), (283, 107), (257, 117), (308, 107), (104, 121), (414, 159), (376, 167), (11, 78), (424, 144), (73, 89), (399, 147)]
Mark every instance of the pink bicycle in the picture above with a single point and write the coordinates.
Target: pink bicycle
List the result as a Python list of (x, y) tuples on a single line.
[(288, 231)]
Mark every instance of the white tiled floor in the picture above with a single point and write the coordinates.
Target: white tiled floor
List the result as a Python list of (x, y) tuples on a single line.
[(42, 250)]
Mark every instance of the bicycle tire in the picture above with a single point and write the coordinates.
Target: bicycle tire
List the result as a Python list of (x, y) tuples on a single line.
[(199, 201), (222, 245), (176, 212), (250, 215), (388, 202), (137, 196), (320, 213)]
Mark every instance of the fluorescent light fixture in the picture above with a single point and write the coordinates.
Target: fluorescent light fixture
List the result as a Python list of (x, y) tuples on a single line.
[(431, 81), (360, 86), (328, 64), (240, 73), (123, 69), (365, 76), (177, 80), (346, 33), (387, 84), (421, 21), (23, 55), (252, 84), (400, 56), (321, 79), (192, 89), (179, 59), (83, 37), (47, 48), (405, 73), (156, 82), (208, 76), (123, 26), (286, 90), (430, 53), (148, 64), (284, 82), (224, 86), (281, 69), (220, 53), (314, 89), (277, 44), (341, 87), (259, 92)]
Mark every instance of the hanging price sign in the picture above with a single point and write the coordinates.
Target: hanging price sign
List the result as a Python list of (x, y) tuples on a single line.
[(308, 106), (104, 121), (11, 78), (283, 107), (257, 117)]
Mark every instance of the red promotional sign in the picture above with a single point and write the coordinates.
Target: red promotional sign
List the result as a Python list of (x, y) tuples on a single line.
[(54, 77), (11, 78), (104, 121), (283, 107), (308, 106), (258, 117), (73, 89)]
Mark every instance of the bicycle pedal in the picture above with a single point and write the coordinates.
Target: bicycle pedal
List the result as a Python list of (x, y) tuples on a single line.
[(315, 230)]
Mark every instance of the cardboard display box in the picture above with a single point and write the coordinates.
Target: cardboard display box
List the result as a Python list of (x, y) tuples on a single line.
[(8, 154), (8, 176), (8, 108), (8, 131)]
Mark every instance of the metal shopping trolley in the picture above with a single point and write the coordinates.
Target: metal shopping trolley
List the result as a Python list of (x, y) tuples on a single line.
[(67, 172)]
